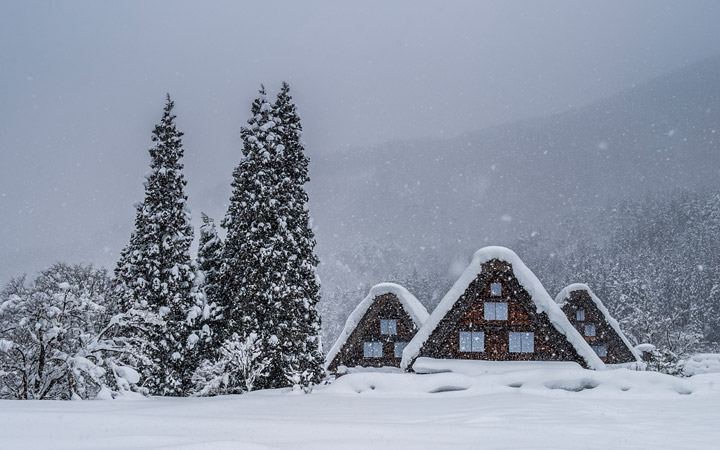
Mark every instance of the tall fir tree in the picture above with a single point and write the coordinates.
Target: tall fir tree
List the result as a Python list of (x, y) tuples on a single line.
[(268, 276), (247, 294), (302, 352), (155, 272), (210, 325)]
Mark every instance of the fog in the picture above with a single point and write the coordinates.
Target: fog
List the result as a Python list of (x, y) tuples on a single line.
[(83, 83)]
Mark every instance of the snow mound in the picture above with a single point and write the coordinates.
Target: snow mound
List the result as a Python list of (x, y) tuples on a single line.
[(572, 385), (564, 297), (425, 365), (702, 363), (644, 348), (529, 282), (545, 381), (410, 304), (358, 369)]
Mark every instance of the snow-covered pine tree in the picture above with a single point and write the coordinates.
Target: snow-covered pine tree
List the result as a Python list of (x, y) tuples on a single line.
[(248, 292), (268, 277), (209, 323), (299, 333), (155, 272)]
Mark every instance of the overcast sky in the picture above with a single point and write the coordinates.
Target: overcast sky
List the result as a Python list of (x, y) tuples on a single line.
[(83, 83)]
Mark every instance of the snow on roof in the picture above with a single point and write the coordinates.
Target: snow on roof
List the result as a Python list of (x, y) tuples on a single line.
[(410, 304), (564, 296), (529, 282)]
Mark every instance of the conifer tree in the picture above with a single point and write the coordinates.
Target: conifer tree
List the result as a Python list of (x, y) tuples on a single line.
[(268, 278), (210, 325), (155, 272), (300, 335), (248, 294)]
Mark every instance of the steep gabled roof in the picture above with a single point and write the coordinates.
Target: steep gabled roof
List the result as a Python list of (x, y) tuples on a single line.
[(529, 282), (410, 304), (564, 296)]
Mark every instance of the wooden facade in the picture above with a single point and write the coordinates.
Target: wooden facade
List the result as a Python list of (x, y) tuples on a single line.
[(587, 318), (385, 306), (500, 333)]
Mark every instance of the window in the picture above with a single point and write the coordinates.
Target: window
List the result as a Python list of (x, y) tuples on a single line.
[(495, 311), (388, 326), (580, 315), (522, 342), (472, 341), (495, 289), (601, 350), (399, 347), (373, 350), (589, 330)]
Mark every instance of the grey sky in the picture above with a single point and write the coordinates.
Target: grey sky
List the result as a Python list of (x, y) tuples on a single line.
[(83, 83)]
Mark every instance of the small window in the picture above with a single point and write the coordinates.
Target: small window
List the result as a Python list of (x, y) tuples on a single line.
[(388, 326), (590, 330), (373, 350), (601, 350), (399, 347), (495, 289), (522, 342), (580, 315), (495, 311), (472, 341)]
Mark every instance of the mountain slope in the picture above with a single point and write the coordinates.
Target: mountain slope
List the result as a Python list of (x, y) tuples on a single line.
[(510, 179)]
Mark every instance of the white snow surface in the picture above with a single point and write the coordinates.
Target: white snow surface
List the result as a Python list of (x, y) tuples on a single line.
[(564, 297), (702, 363), (475, 367), (541, 408), (529, 282), (359, 369), (410, 304)]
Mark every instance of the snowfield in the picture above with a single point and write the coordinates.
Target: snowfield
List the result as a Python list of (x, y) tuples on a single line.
[(523, 408)]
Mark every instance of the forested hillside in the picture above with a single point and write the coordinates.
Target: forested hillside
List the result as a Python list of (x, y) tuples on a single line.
[(621, 194), (654, 261)]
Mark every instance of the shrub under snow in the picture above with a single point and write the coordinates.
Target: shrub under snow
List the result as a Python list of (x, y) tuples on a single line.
[(235, 371)]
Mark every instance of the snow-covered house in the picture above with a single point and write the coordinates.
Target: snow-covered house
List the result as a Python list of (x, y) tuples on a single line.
[(591, 318), (378, 330), (498, 310)]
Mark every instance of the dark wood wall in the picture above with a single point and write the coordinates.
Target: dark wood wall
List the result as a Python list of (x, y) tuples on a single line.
[(385, 306), (617, 351), (468, 315)]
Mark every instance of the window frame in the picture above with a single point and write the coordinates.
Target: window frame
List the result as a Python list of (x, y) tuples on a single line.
[(486, 310), (385, 330), (580, 315), (493, 292), (600, 346), (395, 348), (474, 338), (590, 326), (374, 345), (525, 339)]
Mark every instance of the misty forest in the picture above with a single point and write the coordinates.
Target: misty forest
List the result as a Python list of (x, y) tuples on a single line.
[(312, 234)]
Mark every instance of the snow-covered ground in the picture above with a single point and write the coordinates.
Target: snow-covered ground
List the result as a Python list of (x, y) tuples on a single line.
[(532, 408)]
